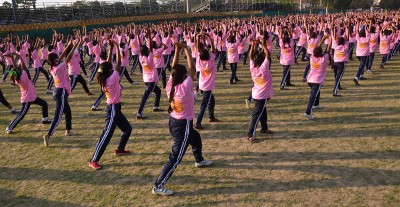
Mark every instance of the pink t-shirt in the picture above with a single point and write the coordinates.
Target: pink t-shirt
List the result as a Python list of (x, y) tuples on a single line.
[(207, 73), (134, 45), (241, 48), (60, 46), (8, 58), (37, 62), (22, 53), (113, 89), (312, 44), (183, 103), (167, 41), (150, 74), (318, 69), (124, 57), (262, 79), (90, 48), (384, 46), (287, 52), (373, 42), (28, 92), (97, 51), (302, 40), (232, 51), (73, 65), (362, 46), (158, 57), (45, 53), (340, 54), (60, 76)]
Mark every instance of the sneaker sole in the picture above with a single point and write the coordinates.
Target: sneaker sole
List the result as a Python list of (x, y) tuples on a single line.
[(46, 140)]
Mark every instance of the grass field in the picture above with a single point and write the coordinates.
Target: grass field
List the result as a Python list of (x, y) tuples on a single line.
[(348, 156)]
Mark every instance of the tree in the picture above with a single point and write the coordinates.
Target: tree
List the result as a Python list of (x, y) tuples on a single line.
[(7, 5), (361, 4), (341, 4), (390, 4)]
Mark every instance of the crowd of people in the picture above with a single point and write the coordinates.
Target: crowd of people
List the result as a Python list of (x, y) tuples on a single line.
[(156, 49)]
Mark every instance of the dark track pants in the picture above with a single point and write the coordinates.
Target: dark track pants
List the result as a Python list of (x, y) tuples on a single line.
[(60, 95), (259, 115), (24, 110)]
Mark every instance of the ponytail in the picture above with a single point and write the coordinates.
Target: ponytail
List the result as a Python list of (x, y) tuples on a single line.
[(179, 74)]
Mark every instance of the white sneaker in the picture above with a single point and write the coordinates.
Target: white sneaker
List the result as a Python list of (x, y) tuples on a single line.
[(48, 92), (317, 107), (162, 191), (9, 131), (135, 83), (195, 95), (309, 116), (247, 103), (203, 163)]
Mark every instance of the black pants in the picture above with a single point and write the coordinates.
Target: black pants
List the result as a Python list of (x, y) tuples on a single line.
[(24, 110), (50, 83), (183, 134), (302, 50), (82, 64), (93, 68), (234, 70), (162, 76), (136, 63), (37, 72), (78, 78), (259, 115), (60, 95), (307, 67), (285, 76), (222, 59), (363, 63), (246, 55), (385, 58), (351, 49), (3, 100), (150, 87), (314, 96), (370, 60), (6, 71), (338, 69), (3, 65), (125, 73), (167, 62), (113, 118), (207, 101)]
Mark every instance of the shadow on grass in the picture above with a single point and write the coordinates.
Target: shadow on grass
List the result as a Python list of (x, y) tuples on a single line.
[(9, 198)]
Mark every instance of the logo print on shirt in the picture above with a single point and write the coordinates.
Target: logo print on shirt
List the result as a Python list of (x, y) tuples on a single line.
[(177, 106), (205, 72), (259, 81), (147, 68), (315, 65)]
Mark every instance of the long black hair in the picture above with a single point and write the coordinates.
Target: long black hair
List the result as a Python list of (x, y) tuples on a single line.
[(179, 74), (103, 73)]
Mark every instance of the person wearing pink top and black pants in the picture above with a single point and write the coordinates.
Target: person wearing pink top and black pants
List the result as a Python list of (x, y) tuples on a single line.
[(316, 77), (340, 57), (58, 69), (384, 45), (286, 44), (262, 89), (181, 108), (109, 80), (125, 63), (159, 61), (313, 39), (37, 63), (150, 78), (232, 45), (28, 96), (373, 45), (206, 64), (362, 51), (75, 70)]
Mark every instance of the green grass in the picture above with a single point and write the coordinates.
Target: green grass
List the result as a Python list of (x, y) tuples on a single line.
[(349, 155)]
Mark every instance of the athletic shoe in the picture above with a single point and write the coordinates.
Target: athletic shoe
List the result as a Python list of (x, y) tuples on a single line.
[(304, 79), (70, 133), (90, 94), (369, 71), (284, 89), (48, 92), (195, 96), (95, 165), (203, 163), (198, 126), (337, 95), (14, 111), (356, 82), (9, 131), (162, 191), (381, 67), (247, 103), (46, 140), (95, 109), (122, 152), (308, 116), (317, 107), (156, 109), (213, 119), (134, 83), (48, 121), (266, 131), (141, 117), (340, 88), (289, 84), (363, 78)]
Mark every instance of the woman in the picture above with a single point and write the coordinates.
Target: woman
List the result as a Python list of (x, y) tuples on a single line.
[(206, 66), (181, 109), (340, 57), (262, 89), (109, 80), (232, 45), (58, 69), (21, 78), (316, 77), (362, 51), (286, 44)]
